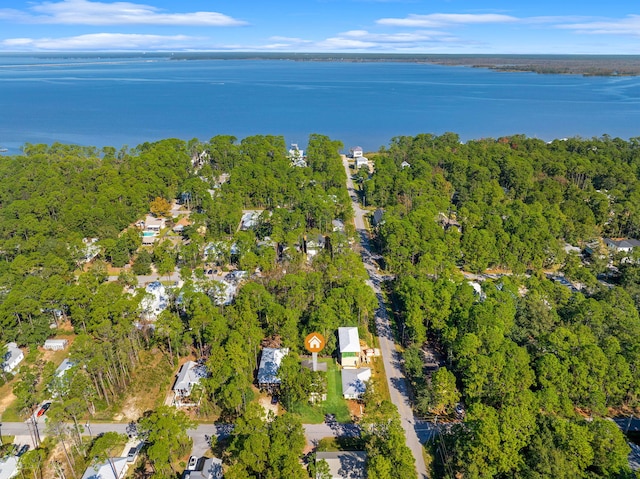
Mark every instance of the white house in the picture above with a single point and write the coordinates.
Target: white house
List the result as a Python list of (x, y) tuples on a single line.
[(622, 245), (269, 365), (345, 464), (405, 164), (155, 301), (296, 155), (151, 223), (105, 470), (354, 382), (361, 161), (188, 376), (12, 357), (249, 219), (9, 467), (349, 347), (356, 152), (55, 344)]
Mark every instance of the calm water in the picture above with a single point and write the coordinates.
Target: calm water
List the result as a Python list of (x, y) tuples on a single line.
[(126, 101)]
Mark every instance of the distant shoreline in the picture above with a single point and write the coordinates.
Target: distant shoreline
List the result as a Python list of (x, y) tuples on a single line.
[(585, 65)]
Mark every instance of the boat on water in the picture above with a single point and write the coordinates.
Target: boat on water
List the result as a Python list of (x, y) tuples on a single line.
[(3, 150)]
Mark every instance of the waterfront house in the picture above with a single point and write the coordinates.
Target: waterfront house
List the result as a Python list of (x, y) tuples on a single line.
[(349, 347), (356, 152), (361, 161)]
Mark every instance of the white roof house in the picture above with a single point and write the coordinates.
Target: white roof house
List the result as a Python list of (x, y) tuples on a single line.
[(361, 161), (345, 464), (249, 219), (212, 469), (8, 467), (349, 340), (155, 300), (104, 470), (151, 223), (269, 366), (12, 357), (354, 382), (349, 347), (55, 344), (188, 376), (356, 151)]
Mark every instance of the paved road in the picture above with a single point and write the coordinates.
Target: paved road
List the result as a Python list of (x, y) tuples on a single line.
[(200, 435), (398, 387)]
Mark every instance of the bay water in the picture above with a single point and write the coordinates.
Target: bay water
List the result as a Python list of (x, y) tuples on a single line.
[(121, 100)]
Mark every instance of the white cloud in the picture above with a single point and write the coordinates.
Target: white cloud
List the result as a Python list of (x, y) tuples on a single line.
[(105, 41), (85, 12), (630, 25), (435, 20)]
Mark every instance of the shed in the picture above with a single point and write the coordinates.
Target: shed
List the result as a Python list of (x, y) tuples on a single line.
[(345, 464), (55, 344), (354, 382), (349, 347)]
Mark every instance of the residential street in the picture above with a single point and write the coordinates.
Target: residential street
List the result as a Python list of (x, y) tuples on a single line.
[(398, 387)]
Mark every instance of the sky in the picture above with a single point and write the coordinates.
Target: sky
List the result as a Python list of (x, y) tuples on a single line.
[(374, 26)]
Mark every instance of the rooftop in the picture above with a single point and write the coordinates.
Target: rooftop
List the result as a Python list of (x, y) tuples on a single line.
[(345, 464), (349, 340), (269, 365)]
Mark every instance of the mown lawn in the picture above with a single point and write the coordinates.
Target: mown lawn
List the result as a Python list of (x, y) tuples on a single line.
[(335, 403)]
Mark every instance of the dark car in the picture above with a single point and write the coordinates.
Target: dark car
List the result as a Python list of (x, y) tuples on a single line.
[(45, 407), (274, 399), (22, 450), (131, 456)]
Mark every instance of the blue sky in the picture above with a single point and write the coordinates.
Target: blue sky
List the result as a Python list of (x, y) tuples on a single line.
[(394, 26)]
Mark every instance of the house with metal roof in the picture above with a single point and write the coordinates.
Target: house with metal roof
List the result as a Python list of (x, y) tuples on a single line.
[(349, 341), (354, 382), (270, 361)]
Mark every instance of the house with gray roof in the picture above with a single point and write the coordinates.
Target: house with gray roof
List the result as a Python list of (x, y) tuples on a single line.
[(345, 464)]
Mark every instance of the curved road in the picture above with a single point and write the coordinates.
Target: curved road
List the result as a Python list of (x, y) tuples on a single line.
[(398, 387)]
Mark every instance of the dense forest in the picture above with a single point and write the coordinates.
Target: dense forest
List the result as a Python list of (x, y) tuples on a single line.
[(55, 198), (538, 364)]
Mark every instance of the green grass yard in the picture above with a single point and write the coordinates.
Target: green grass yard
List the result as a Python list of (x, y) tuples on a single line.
[(335, 403)]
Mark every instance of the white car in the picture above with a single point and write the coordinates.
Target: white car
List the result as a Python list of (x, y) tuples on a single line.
[(193, 462)]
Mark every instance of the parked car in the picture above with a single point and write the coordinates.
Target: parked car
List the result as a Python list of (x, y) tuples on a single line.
[(131, 455), (459, 410), (274, 399), (45, 407), (193, 462), (22, 450)]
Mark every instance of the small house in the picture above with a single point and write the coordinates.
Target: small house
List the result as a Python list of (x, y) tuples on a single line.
[(188, 376), (349, 347), (12, 357), (269, 365), (356, 152), (64, 367), (345, 464), (55, 344), (376, 219), (109, 469), (180, 225), (405, 164), (211, 469), (249, 220), (361, 161), (151, 223), (621, 245), (354, 382)]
